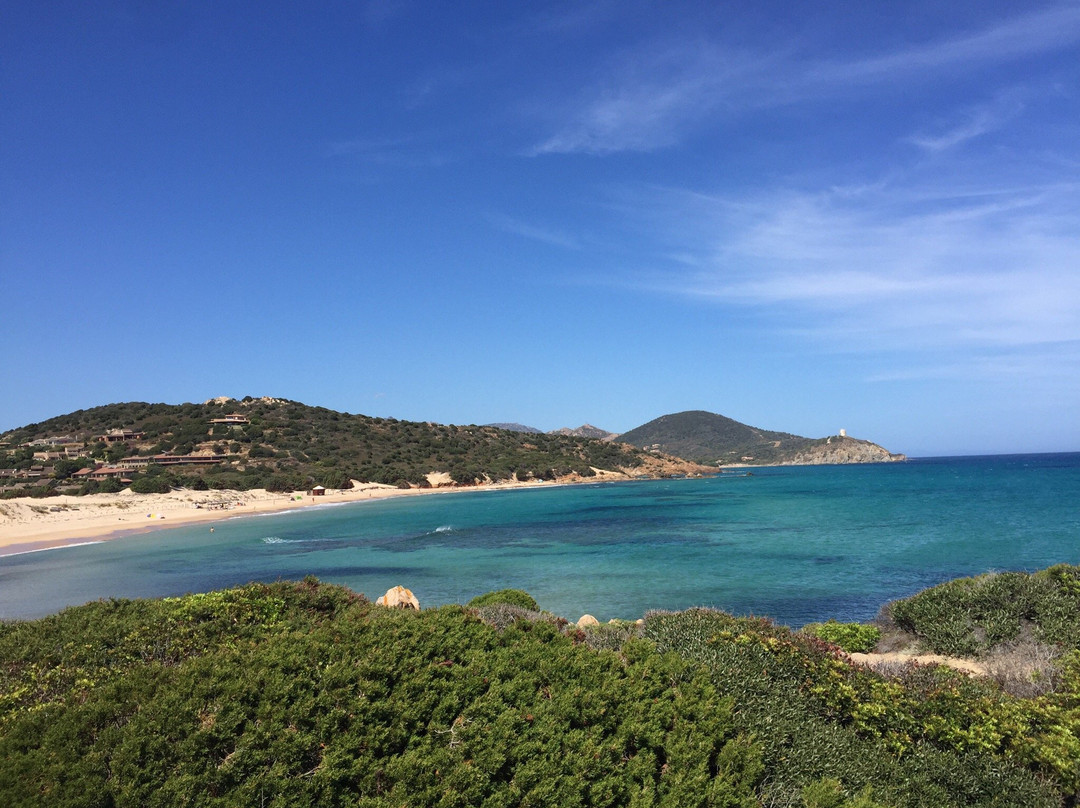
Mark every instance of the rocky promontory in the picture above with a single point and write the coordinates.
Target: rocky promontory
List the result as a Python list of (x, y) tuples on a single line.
[(842, 449)]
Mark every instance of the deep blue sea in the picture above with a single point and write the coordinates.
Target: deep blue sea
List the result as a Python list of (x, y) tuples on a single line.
[(796, 544)]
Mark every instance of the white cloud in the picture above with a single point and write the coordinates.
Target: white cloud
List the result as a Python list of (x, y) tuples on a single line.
[(883, 269), (978, 124), (971, 124), (1033, 33), (649, 99)]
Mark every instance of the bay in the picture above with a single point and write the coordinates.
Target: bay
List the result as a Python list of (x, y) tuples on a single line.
[(796, 544)]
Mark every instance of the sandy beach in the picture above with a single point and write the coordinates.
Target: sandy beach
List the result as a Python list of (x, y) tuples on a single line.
[(28, 524)]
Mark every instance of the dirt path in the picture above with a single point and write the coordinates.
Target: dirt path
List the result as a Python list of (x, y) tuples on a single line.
[(966, 665)]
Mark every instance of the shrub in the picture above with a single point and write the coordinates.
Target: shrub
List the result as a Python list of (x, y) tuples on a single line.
[(937, 738), (307, 694), (970, 616), (503, 615), (855, 638), (150, 485), (513, 597), (828, 792), (259, 691), (1025, 669), (611, 636)]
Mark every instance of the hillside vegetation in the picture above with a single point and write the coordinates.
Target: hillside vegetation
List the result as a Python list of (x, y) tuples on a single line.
[(287, 446), (303, 694), (706, 437)]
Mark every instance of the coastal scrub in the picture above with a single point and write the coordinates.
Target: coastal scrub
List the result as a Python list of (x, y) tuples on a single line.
[(306, 694)]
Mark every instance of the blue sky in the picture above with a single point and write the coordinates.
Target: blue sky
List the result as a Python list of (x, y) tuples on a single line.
[(802, 216)]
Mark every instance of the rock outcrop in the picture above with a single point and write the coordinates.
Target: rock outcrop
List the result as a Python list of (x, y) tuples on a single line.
[(586, 431), (399, 598), (587, 620), (842, 449)]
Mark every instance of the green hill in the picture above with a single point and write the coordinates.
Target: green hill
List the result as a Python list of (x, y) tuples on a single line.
[(304, 694), (708, 438), (285, 445)]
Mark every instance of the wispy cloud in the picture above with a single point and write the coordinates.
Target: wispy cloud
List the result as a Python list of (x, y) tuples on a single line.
[(886, 269), (978, 124), (972, 124), (1036, 32), (534, 232), (1022, 365), (649, 99), (407, 152)]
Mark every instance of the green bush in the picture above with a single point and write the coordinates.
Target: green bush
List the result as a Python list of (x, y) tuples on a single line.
[(855, 638), (941, 739), (829, 793), (306, 694), (970, 616), (150, 485), (513, 597), (295, 694)]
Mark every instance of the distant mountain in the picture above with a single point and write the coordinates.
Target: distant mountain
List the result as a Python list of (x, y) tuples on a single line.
[(706, 437), (585, 431), (531, 430)]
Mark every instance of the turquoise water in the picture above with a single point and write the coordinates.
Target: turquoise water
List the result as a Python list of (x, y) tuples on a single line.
[(794, 544)]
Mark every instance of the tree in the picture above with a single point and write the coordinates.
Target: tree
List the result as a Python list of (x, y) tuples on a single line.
[(62, 469), (116, 452), (334, 478), (150, 485)]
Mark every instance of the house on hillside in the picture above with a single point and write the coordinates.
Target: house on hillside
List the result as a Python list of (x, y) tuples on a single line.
[(121, 436), (167, 460), (232, 418), (102, 473)]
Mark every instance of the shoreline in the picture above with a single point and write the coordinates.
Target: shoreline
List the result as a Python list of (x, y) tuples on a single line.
[(30, 525)]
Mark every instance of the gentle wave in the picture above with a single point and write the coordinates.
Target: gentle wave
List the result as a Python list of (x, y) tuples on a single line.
[(279, 540), (445, 529), (55, 547)]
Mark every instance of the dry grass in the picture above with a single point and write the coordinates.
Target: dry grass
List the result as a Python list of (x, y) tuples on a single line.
[(1024, 668), (502, 615), (893, 638), (889, 667)]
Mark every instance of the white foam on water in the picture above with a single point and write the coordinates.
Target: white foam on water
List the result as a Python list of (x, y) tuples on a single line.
[(57, 547)]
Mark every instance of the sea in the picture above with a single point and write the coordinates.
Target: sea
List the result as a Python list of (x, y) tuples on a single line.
[(795, 544)]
